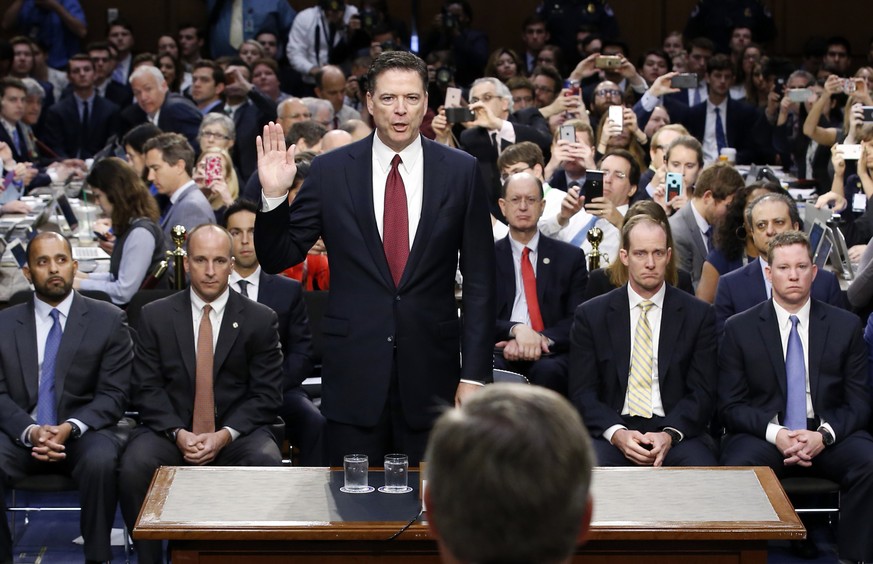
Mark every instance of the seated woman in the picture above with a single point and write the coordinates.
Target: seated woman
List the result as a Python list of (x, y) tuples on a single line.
[(615, 275), (733, 246), (221, 191), (137, 242)]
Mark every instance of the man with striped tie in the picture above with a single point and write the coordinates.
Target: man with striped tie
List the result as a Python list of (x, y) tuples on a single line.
[(641, 362)]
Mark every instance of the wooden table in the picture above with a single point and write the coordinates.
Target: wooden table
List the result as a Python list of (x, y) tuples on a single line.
[(666, 515)]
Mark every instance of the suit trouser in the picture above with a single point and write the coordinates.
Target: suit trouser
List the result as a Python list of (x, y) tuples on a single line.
[(147, 451), (691, 451), (92, 462), (304, 426), (849, 462)]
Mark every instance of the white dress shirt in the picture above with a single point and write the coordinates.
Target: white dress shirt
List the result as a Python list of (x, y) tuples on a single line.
[(520, 313), (254, 280), (611, 234), (710, 146), (702, 224)]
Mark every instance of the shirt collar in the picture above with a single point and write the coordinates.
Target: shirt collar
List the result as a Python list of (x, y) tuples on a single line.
[(384, 154), (43, 309), (533, 244), (217, 304), (783, 315), (710, 107), (252, 278), (702, 224), (174, 197), (89, 100), (657, 299)]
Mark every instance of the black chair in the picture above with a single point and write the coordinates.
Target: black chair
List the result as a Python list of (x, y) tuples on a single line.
[(140, 299), (509, 377), (316, 305), (813, 495)]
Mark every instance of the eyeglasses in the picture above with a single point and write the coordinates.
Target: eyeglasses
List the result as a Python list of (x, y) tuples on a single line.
[(518, 200), (486, 98), (214, 135), (522, 99), (608, 93), (541, 88), (505, 176), (616, 173)]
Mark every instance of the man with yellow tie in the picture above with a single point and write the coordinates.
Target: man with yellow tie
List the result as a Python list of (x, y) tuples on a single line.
[(642, 362)]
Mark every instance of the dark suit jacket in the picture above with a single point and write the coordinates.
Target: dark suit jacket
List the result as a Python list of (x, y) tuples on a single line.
[(285, 297), (532, 117), (178, 115), (752, 381), (250, 119), (63, 131), (92, 372), (20, 156), (744, 288), (600, 350), (370, 327), (247, 369), (561, 279)]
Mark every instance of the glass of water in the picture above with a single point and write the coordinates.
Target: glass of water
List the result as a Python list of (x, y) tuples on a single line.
[(396, 474), (356, 468)]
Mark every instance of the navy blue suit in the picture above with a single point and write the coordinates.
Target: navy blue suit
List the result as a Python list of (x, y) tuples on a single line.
[(376, 333), (600, 351), (744, 288), (561, 277), (92, 381), (64, 131), (177, 115), (752, 393), (304, 423)]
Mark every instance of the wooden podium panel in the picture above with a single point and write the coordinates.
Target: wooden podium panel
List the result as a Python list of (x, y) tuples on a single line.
[(665, 515)]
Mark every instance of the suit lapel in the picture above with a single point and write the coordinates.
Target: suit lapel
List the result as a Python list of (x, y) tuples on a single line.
[(618, 325), (25, 340), (230, 328), (544, 270), (359, 180), (434, 188), (756, 285), (817, 337), (671, 328), (74, 330), (691, 223), (506, 273), (769, 329), (183, 325)]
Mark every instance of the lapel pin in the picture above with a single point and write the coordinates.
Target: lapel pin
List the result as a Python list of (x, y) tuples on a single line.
[(547, 260), (235, 324)]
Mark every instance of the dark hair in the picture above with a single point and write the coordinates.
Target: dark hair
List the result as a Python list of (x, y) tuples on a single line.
[(187, 25), (525, 152), (656, 52), (730, 236), (786, 239), (97, 46), (721, 179), (793, 213), (839, 40), (396, 60), (22, 40), (589, 38), (80, 57), (491, 66), (267, 62), (688, 142), (634, 174), (551, 73), (519, 82), (10, 82), (173, 148), (239, 206), (217, 71), (465, 7), (701, 43), (615, 43), (311, 132), (719, 62), (144, 58), (180, 71), (125, 190), (121, 22), (815, 47), (531, 20)]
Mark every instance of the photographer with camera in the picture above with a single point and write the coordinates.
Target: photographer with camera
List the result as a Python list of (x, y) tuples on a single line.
[(451, 32)]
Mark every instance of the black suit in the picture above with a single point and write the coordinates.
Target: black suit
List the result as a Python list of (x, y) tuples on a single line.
[(304, 423), (600, 352), (64, 132), (25, 154), (177, 115), (247, 390), (561, 277), (92, 379), (249, 120), (751, 394), (381, 340)]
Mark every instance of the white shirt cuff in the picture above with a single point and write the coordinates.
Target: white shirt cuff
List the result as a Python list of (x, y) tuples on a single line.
[(234, 434), (611, 431), (269, 204), (649, 101), (773, 430), (472, 382)]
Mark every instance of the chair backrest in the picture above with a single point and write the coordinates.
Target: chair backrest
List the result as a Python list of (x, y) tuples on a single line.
[(509, 377), (22, 296), (316, 305), (140, 299)]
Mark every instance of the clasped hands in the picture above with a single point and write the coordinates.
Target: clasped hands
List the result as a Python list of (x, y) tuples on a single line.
[(799, 446), (203, 448), (527, 345), (48, 441), (645, 449)]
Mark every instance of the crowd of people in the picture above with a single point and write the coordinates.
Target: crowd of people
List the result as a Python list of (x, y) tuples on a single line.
[(313, 151)]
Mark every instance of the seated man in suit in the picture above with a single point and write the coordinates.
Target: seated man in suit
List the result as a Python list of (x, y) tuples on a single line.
[(154, 103), (537, 507), (65, 363), (102, 54), (540, 282), (766, 216), (207, 378), (695, 224), (79, 125), (641, 362), (492, 130), (304, 423), (792, 390), (170, 162)]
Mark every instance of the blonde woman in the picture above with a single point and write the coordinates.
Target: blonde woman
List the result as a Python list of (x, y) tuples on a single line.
[(221, 187)]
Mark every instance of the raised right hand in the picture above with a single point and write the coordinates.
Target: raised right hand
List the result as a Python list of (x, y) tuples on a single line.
[(276, 166)]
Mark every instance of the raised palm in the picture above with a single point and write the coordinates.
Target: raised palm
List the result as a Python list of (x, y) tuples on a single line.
[(276, 166)]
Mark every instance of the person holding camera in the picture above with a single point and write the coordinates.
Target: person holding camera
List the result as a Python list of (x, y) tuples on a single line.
[(451, 31)]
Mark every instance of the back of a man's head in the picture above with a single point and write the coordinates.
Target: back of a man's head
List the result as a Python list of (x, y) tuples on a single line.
[(508, 477), (721, 179)]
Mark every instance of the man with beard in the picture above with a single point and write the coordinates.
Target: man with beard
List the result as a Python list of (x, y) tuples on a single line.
[(62, 393)]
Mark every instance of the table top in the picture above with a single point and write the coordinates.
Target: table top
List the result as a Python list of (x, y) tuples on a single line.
[(259, 504)]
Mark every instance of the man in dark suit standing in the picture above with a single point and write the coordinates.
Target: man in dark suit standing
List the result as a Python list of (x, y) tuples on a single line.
[(540, 282), (395, 211), (766, 216), (641, 359), (207, 379), (170, 112), (304, 423), (79, 125), (250, 111), (792, 391), (65, 364)]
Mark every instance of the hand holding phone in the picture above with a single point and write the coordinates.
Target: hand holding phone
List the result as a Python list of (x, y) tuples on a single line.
[(214, 166), (673, 184)]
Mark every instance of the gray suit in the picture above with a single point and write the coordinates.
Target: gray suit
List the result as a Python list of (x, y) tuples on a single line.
[(190, 210), (688, 243)]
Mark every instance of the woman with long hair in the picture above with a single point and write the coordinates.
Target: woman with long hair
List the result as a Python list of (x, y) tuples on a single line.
[(136, 240), (220, 191), (503, 64)]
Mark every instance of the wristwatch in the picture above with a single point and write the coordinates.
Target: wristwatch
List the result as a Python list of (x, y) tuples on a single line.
[(826, 436), (674, 435), (76, 432), (171, 433)]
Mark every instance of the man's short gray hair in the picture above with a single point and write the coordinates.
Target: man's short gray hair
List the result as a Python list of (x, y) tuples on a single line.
[(144, 70), (316, 104), (33, 88), (499, 88), (508, 476)]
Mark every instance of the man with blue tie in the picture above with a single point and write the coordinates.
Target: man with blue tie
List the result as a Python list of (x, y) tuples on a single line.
[(792, 391), (12, 132), (641, 362), (65, 368)]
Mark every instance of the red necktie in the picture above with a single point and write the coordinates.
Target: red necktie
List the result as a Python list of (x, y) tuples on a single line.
[(395, 227), (530, 291)]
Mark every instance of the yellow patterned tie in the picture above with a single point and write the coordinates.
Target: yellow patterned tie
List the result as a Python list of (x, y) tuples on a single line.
[(639, 385)]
